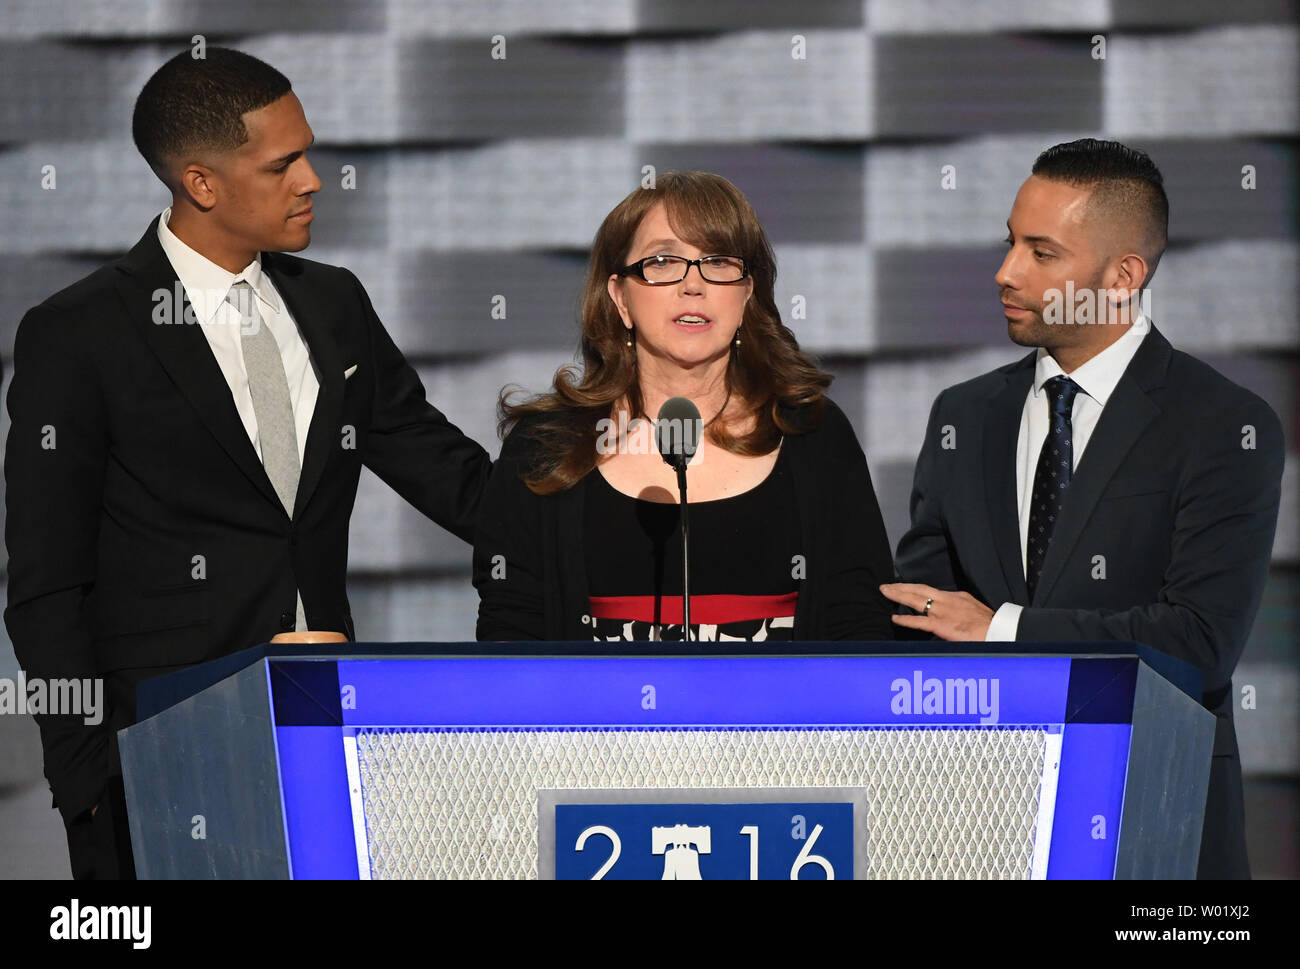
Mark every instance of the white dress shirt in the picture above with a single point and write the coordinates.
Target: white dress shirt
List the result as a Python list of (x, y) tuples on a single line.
[(206, 286), (1096, 379)]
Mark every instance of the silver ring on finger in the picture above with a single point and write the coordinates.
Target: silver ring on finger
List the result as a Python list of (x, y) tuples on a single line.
[(928, 604)]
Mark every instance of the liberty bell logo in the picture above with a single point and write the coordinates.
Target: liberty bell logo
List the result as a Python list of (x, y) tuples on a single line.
[(681, 845)]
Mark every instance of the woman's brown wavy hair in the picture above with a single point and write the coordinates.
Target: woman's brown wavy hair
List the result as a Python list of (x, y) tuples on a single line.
[(767, 371)]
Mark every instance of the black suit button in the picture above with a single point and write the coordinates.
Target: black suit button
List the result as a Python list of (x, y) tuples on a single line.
[(293, 537), (287, 622)]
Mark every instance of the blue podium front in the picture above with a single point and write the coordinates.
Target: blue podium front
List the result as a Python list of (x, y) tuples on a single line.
[(434, 760)]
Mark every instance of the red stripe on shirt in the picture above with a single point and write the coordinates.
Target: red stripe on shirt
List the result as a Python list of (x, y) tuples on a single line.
[(713, 610)]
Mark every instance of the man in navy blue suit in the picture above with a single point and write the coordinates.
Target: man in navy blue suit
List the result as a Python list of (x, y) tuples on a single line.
[(1106, 486), (188, 427)]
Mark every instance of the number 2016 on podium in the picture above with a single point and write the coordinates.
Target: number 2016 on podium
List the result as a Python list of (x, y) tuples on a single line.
[(699, 840)]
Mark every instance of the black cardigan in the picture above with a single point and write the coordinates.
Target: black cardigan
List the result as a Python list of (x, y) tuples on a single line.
[(530, 562)]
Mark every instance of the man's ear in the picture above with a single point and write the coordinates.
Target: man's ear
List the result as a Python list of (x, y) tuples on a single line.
[(198, 184), (1129, 275)]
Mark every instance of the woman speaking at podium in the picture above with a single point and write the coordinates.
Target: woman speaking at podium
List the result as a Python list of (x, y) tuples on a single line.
[(579, 534)]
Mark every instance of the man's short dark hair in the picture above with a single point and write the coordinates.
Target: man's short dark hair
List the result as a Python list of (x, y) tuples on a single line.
[(1124, 183), (195, 104)]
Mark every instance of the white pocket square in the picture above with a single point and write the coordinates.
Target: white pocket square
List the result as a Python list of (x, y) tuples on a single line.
[(350, 371)]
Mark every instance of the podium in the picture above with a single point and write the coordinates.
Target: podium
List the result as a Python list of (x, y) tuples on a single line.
[(580, 760)]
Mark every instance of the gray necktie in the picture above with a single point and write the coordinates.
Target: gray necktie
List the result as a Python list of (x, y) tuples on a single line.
[(270, 391)]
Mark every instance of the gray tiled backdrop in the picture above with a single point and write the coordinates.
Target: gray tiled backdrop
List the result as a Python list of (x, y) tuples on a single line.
[(478, 177)]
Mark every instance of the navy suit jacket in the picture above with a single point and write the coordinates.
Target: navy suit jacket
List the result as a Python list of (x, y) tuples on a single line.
[(143, 531), (1174, 502)]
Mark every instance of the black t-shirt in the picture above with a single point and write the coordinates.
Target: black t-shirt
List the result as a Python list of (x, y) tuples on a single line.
[(744, 563)]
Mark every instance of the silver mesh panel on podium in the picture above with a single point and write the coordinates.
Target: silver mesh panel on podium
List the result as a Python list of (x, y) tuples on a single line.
[(941, 803)]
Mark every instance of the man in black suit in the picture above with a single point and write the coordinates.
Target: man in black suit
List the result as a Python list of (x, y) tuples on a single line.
[(188, 428), (1106, 486)]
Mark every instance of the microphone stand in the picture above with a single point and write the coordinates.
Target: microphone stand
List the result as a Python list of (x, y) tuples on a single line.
[(686, 556), (676, 450)]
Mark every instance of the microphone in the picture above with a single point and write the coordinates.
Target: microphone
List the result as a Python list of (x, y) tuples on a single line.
[(677, 432), (677, 436)]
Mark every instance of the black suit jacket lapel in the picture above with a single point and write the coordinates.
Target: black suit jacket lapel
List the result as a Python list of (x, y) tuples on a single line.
[(313, 313), (1001, 433), (1124, 419), (184, 352)]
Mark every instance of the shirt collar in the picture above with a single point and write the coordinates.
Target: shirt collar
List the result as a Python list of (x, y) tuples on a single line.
[(206, 284), (1098, 377)]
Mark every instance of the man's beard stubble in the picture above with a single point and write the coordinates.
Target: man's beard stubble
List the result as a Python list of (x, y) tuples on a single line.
[(1037, 332)]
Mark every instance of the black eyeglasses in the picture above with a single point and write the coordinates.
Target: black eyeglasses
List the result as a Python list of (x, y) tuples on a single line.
[(661, 270)]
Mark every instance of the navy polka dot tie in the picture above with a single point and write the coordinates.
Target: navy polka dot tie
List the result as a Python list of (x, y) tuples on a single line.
[(1052, 477)]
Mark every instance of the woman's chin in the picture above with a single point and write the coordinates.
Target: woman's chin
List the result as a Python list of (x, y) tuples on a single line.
[(688, 354), (695, 361)]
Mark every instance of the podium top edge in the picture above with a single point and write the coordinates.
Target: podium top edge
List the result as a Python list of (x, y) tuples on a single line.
[(156, 695)]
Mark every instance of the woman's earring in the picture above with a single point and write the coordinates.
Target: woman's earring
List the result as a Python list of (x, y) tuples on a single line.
[(629, 337), (737, 336)]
